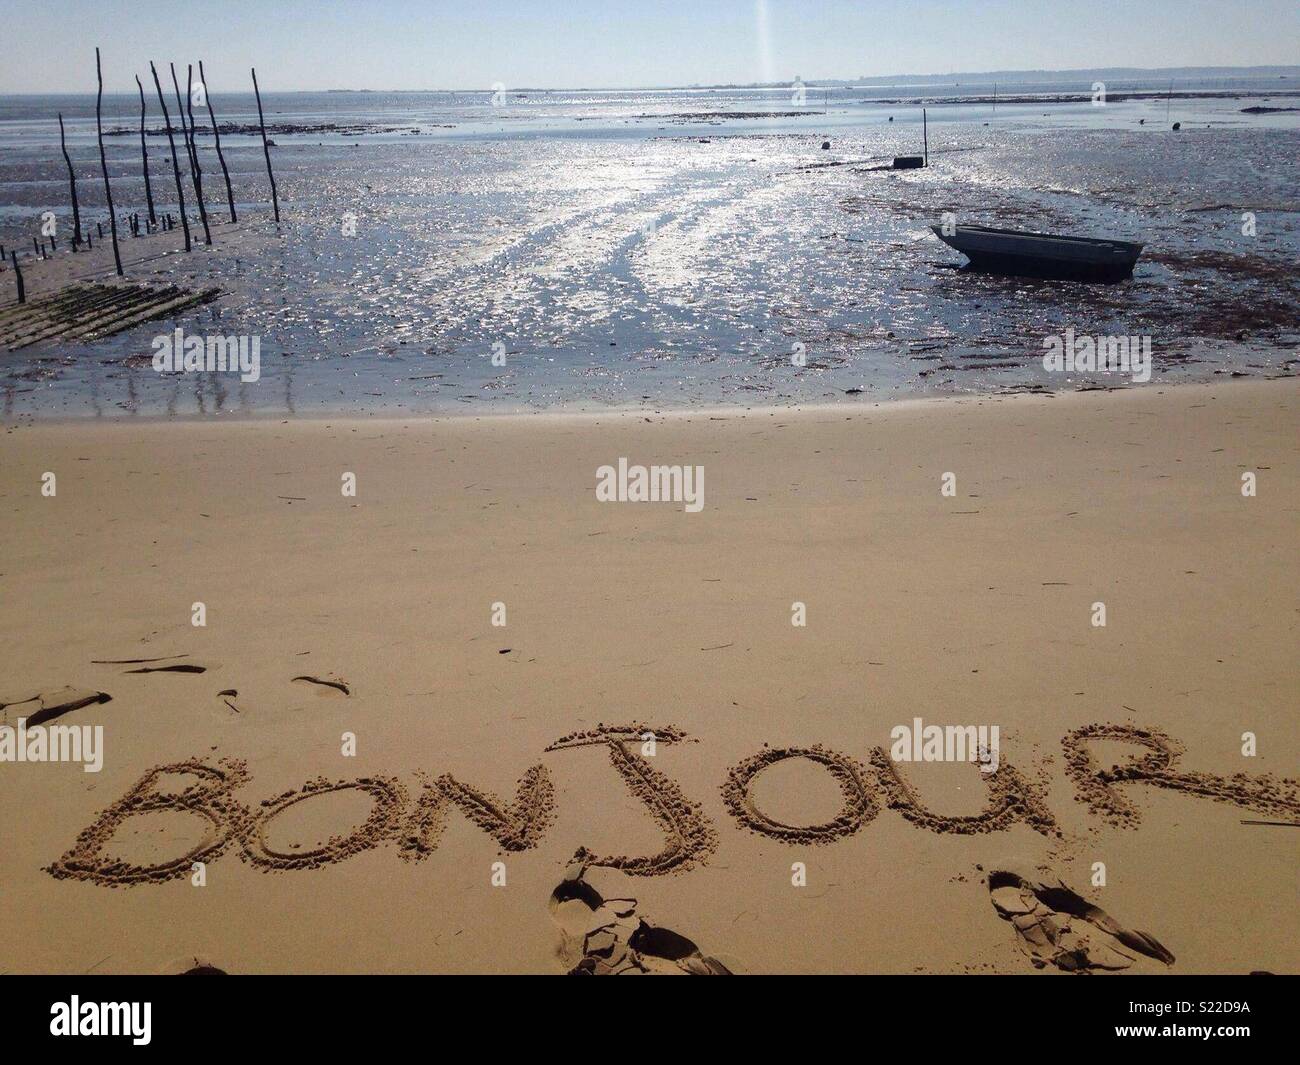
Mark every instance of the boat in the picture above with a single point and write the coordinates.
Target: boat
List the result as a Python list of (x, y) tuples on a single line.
[(1012, 251)]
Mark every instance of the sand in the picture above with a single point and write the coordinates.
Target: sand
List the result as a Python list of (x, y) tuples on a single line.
[(379, 779)]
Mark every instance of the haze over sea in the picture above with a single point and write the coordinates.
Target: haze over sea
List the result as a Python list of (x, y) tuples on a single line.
[(672, 247)]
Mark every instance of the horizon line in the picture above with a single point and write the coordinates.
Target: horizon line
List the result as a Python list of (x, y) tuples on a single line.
[(881, 80)]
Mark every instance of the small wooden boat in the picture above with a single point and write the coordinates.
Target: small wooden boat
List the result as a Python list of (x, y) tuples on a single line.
[(1011, 251)]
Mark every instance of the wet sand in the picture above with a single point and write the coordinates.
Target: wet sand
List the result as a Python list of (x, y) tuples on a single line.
[(371, 615)]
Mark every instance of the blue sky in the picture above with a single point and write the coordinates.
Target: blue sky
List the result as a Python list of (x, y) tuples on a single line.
[(404, 44)]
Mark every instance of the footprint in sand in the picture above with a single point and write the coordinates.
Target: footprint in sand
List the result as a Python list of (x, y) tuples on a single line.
[(1054, 926), (604, 936)]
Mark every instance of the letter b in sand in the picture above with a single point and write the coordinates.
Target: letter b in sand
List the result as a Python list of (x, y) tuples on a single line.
[(199, 615), (49, 485), (349, 488)]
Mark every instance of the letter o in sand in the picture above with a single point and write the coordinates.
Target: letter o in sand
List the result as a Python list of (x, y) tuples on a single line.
[(859, 802), (389, 799)]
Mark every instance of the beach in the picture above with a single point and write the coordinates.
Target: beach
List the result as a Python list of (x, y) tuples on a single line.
[(351, 637)]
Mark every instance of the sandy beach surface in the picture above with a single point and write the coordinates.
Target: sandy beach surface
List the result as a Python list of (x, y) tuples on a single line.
[(371, 616)]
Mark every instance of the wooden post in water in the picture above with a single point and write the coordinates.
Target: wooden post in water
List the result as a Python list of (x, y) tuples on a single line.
[(196, 172), (216, 136), (925, 134), (103, 161), (194, 148), (266, 148), (176, 167), (18, 275), (144, 155), (72, 181)]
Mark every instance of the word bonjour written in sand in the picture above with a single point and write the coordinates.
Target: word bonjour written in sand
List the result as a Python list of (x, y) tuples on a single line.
[(689, 835), (1067, 353), (651, 484), (177, 353), (53, 743)]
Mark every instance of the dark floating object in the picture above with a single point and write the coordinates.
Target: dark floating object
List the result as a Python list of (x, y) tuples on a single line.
[(826, 145), (1011, 251), (909, 162), (1177, 126)]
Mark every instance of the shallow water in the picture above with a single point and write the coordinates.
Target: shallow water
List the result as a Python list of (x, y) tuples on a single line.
[(671, 261)]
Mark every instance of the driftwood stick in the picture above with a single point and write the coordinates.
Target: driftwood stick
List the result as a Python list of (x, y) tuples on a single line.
[(103, 161), (266, 148), (216, 136), (144, 155), (72, 181), (176, 167), (196, 173)]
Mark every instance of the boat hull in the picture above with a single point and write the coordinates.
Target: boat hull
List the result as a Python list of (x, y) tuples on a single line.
[(1001, 251)]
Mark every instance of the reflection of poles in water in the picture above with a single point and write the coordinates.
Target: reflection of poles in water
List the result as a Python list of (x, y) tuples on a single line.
[(925, 134)]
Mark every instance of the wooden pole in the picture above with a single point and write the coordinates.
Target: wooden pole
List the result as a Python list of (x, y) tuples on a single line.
[(72, 181), (176, 167), (196, 173), (18, 275), (216, 136), (266, 148), (925, 134), (103, 161), (144, 155)]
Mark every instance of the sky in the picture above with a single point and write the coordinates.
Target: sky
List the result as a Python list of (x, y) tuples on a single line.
[(474, 44)]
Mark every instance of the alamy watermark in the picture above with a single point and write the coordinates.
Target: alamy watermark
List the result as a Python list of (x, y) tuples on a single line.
[(651, 484), (919, 742), (177, 353), (1068, 353), (53, 743)]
